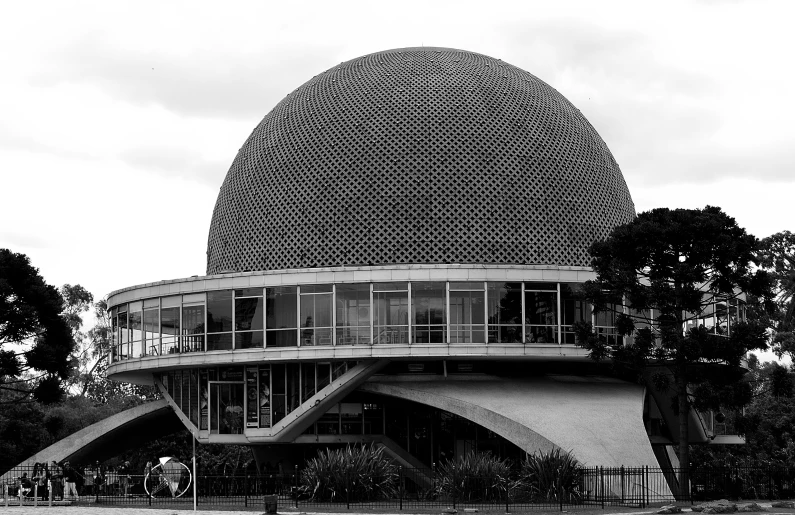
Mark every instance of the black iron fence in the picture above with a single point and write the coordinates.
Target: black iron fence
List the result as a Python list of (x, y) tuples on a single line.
[(407, 489)]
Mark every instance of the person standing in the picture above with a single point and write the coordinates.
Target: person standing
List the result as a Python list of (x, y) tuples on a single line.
[(70, 482), (124, 477), (55, 478)]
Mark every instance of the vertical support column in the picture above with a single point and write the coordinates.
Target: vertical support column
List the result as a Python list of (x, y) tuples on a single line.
[(372, 316), (409, 314), (560, 318), (524, 326)]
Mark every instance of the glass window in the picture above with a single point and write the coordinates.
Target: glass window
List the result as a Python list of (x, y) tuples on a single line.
[(219, 320), (123, 351), (722, 317), (192, 328), (307, 380), (428, 304), (293, 376), (351, 418), (249, 321), (281, 317), (151, 331), (391, 313), (373, 419), (505, 312), (574, 310), (169, 328), (315, 315), (329, 422), (605, 324), (264, 396), (278, 397), (135, 318), (541, 318), (353, 314), (467, 313), (114, 323), (323, 375)]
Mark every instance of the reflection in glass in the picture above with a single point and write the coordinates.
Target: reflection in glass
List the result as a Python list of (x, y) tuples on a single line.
[(249, 314), (467, 317), (391, 322), (219, 341), (169, 328), (574, 310), (353, 314), (219, 311), (249, 340), (136, 333), (315, 317), (605, 322), (151, 333), (428, 303), (281, 317), (505, 312), (540, 310), (192, 328), (124, 337)]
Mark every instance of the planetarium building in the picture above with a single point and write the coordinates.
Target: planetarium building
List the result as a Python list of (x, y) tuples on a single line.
[(394, 257)]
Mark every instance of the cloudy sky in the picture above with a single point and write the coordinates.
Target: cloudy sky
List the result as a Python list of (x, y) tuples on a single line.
[(119, 120)]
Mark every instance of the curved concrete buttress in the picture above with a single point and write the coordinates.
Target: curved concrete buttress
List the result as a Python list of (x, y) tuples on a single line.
[(111, 436), (599, 419)]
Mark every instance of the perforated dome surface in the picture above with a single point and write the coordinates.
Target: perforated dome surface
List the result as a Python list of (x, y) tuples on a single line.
[(418, 155)]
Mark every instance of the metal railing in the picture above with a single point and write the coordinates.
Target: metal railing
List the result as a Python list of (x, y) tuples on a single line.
[(409, 488)]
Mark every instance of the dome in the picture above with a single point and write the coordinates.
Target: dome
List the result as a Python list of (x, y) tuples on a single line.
[(418, 155)]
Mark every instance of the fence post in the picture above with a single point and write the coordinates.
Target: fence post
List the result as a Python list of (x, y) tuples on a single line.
[(245, 491), (5, 495), (560, 492), (621, 478), (36, 495), (295, 486), (400, 486), (49, 489), (348, 491), (602, 485)]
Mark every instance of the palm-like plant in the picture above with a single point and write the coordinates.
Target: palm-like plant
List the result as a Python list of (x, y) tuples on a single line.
[(475, 477), (555, 476), (350, 474)]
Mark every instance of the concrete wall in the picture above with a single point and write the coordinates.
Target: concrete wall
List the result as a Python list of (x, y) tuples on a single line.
[(599, 419)]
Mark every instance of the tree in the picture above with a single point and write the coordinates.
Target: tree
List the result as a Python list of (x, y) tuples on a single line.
[(777, 256), (36, 339), (659, 274)]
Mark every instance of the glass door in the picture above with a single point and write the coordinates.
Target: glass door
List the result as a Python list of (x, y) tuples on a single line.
[(226, 408)]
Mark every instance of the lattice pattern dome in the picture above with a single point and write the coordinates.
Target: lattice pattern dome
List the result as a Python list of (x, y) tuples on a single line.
[(418, 155)]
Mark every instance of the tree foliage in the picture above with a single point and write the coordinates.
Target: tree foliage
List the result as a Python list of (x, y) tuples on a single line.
[(777, 257), (660, 273), (36, 331)]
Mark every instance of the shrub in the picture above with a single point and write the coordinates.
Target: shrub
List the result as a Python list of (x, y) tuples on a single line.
[(353, 474), (475, 477), (554, 476)]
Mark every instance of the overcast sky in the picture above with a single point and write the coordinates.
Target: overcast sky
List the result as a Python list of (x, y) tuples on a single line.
[(119, 120)]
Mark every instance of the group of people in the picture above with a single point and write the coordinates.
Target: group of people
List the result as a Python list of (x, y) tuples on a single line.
[(62, 480)]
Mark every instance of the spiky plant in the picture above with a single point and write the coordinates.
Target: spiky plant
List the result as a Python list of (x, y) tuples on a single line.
[(351, 474), (553, 476), (475, 477)]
